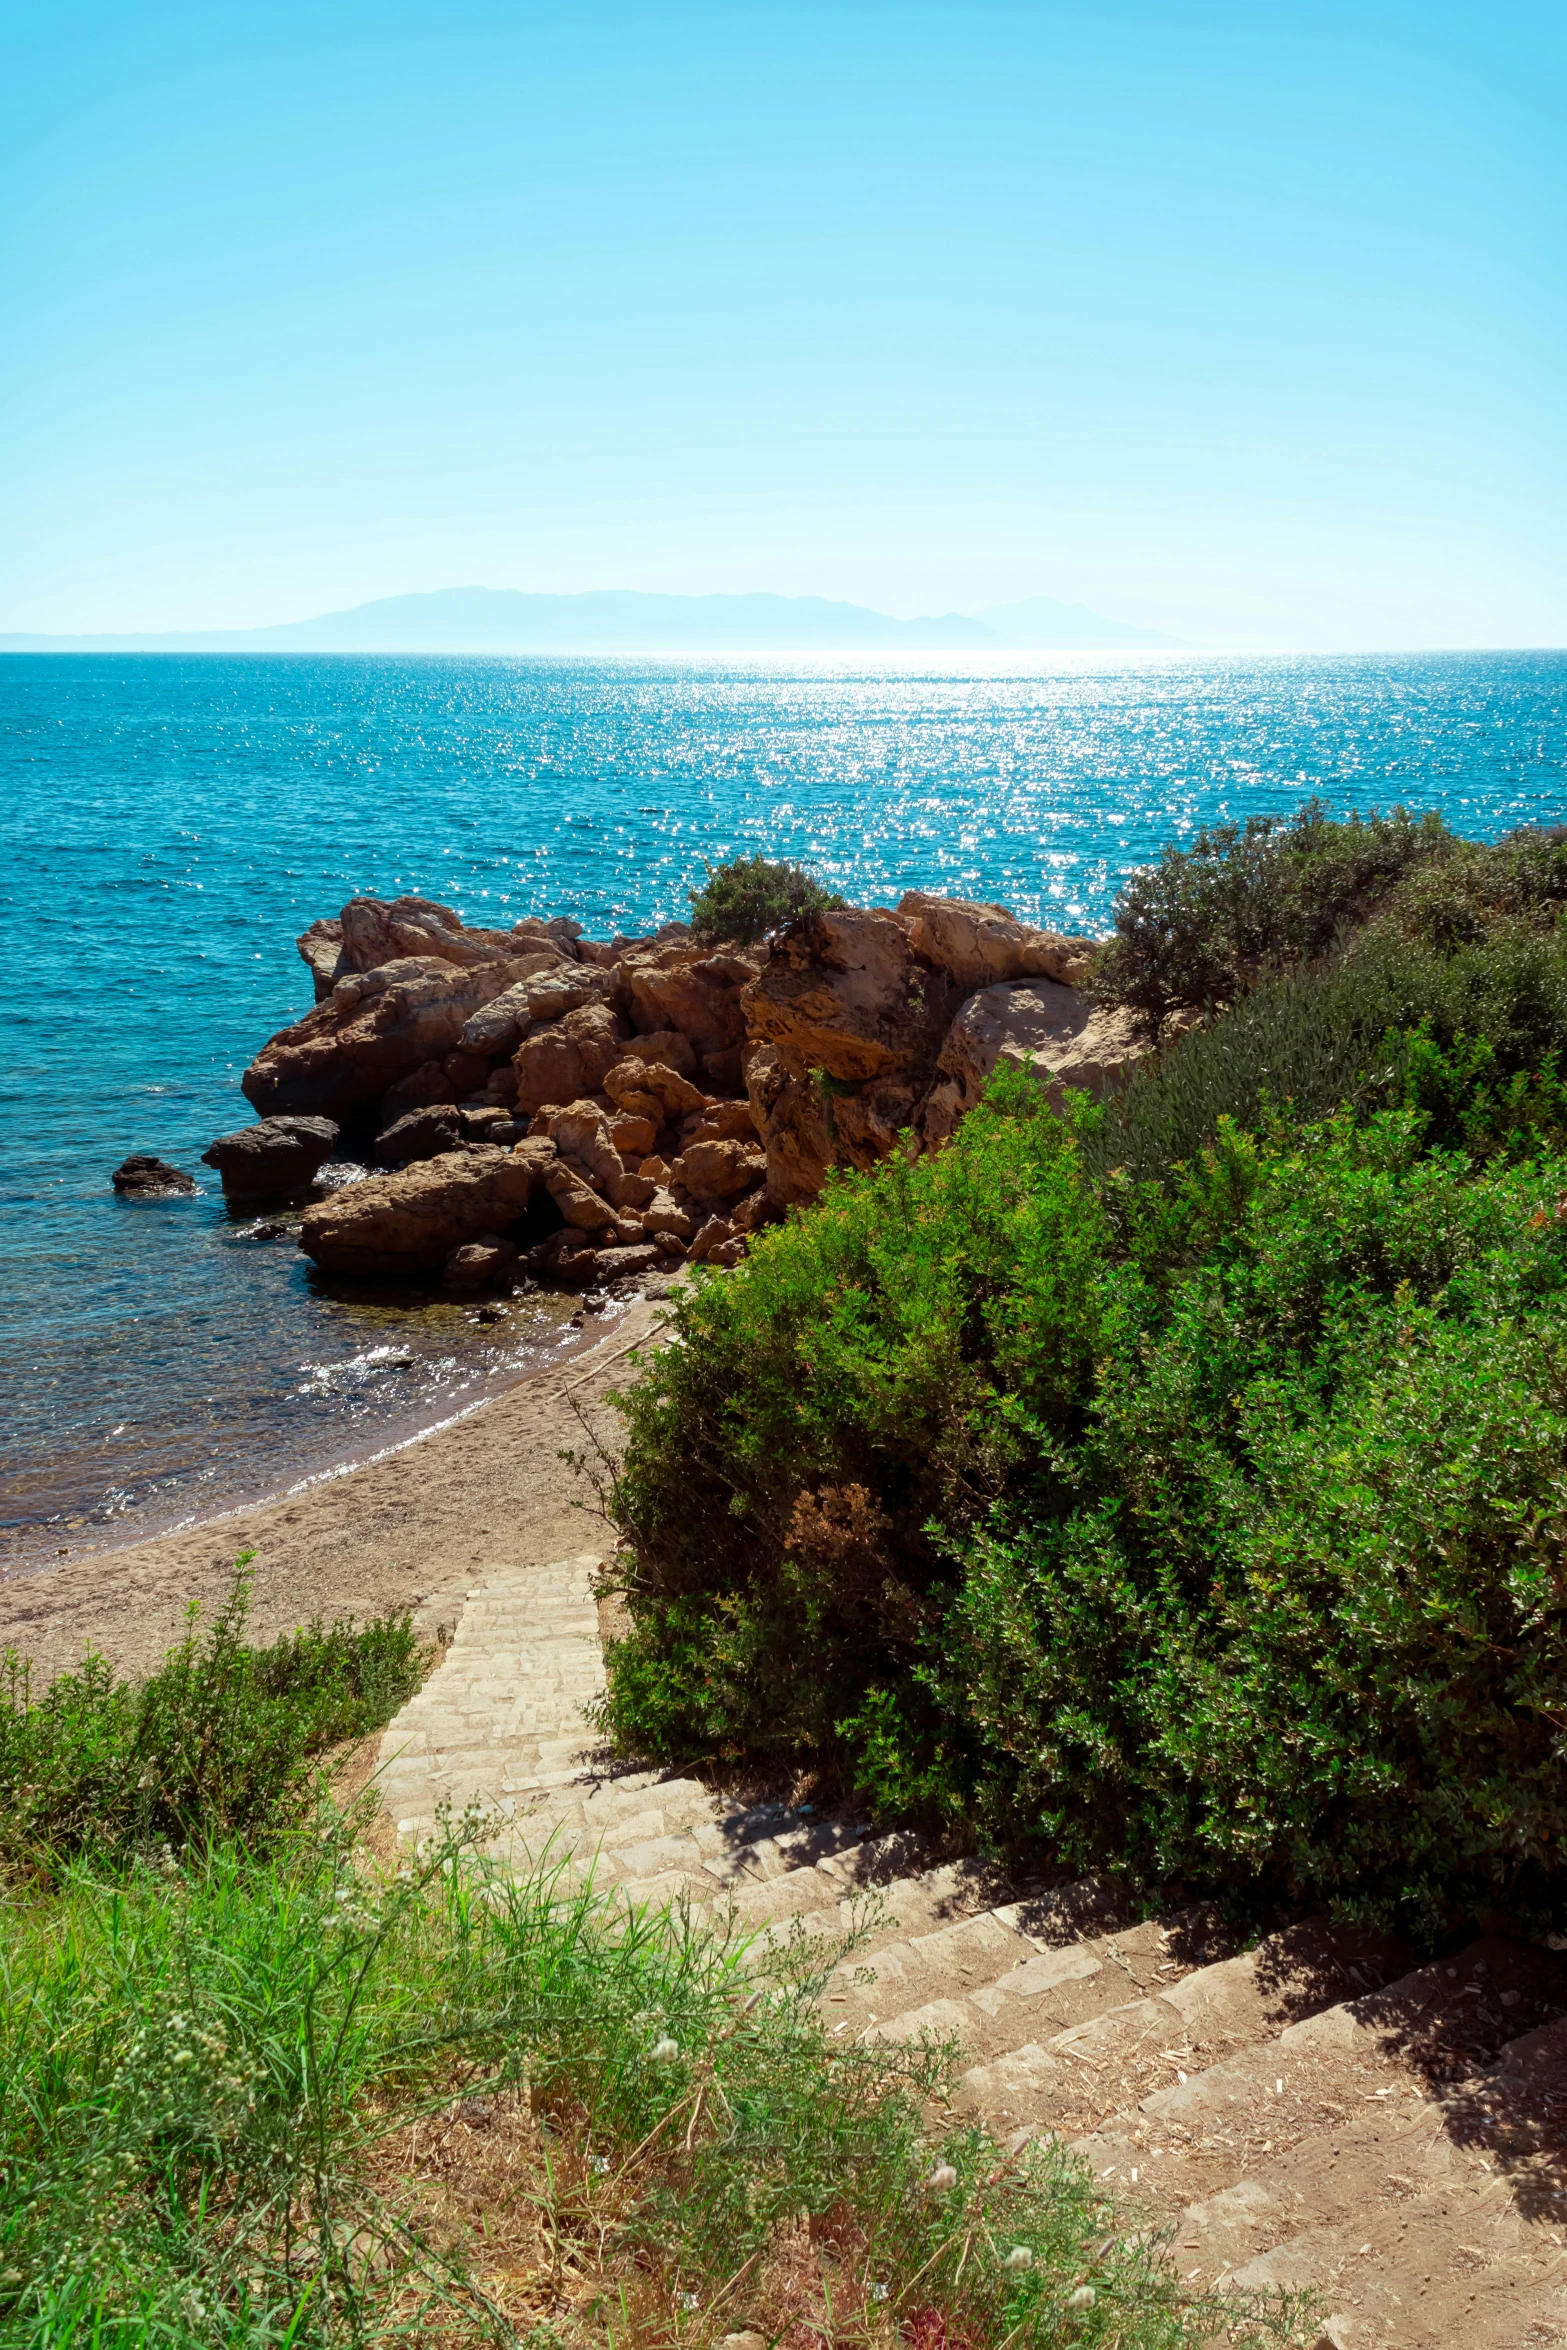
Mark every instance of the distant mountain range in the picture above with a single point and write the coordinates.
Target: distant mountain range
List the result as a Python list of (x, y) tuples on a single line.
[(613, 620)]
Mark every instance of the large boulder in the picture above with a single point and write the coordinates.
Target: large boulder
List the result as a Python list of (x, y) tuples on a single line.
[(1064, 1038), (976, 945), (412, 1221), (650, 1089), (421, 1134), (568, 1058), (546, 989), (718, 1170), (580, 1205), (276, 1159), (846, 993), (695, 994), (381, 930), (666, 1046), (374, 1028), (790, 1115)]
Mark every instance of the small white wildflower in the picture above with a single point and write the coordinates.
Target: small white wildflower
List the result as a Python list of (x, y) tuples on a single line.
[(1019, 2257), (942, 2177), (878, 2292), (688, 2301), (1083, 2298), (600, 2164), (665, 2051)]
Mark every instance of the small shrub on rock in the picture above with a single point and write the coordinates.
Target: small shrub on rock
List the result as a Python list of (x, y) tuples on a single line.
[(749, 898)]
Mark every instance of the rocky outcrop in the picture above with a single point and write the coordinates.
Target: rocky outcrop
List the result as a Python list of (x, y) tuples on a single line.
[(411, 1221), (275, 1160), (675, 1097), (322, 949), (846, 993), (141, 1176), (1057, 1032), (976, 945)]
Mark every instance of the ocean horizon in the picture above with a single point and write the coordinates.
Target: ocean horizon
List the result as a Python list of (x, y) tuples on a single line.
[(171, 821)]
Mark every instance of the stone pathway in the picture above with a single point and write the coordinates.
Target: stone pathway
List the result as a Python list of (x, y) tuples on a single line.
[(1320, 2111)]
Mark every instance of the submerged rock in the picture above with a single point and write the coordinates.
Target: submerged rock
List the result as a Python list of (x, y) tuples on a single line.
[(275, 1159), (488, 1258), (141, 1176)]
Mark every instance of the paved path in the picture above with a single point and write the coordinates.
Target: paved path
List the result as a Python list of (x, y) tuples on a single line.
[(502, 1714)]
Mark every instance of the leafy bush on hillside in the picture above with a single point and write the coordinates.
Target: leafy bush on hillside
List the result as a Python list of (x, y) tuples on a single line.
[(1193, 932), (749, 898), (1389, 1020), (219, 1742), (1208, 1528)]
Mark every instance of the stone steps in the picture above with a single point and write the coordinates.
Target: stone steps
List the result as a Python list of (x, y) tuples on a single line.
[(1317, 2111)]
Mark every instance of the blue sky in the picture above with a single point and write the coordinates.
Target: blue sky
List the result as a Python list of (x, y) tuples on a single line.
[(1246, 322)]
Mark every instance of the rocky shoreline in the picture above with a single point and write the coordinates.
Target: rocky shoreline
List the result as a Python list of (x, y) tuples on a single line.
[(532, 1101)]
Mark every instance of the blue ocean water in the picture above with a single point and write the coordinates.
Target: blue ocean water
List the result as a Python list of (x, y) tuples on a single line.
[(168, 824)]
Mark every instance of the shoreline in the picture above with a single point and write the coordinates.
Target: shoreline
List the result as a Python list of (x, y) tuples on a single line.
[(407, 1528), (395, 1435)]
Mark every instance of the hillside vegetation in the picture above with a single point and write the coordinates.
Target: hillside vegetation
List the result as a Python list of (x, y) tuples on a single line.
[(1178, 1486), (261, 2090)]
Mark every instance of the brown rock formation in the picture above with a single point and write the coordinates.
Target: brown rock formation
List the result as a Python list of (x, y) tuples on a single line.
[(1066, 1039), (748, 1074), (412, 1221), (568, 1058), (374, 1028), (976, 945), (845, 993), (275, 1159)]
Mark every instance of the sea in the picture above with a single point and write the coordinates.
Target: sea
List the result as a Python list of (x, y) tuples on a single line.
[(169, 823)]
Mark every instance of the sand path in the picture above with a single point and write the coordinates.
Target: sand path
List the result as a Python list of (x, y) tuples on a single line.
[(404, 1532)]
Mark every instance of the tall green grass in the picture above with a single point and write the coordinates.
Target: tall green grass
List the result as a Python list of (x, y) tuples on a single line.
[(216, 2079)]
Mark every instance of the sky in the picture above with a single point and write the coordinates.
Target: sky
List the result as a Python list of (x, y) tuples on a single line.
[(1244, 322)]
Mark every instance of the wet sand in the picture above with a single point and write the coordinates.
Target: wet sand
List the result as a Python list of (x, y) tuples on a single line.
[(407, 1531)]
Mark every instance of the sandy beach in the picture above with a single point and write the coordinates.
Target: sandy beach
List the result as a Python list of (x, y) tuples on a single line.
[(406, 1531)]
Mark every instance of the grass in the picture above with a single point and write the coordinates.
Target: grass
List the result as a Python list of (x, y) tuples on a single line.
[(286, 2101), (220, 1741)]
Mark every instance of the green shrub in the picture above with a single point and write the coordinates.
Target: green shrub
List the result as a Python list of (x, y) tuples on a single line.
[(872, 1371), (1215, 1538), (219, 1742), (747, 899), (1368, 1027), (1295, 1622), (1192, 932), (233, 2095), (1195, 931)]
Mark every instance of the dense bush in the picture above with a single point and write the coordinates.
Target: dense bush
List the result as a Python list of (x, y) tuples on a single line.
[(1388, 1020), (1193, 932), (747, 899), (1210, 1528), (219, 1742)]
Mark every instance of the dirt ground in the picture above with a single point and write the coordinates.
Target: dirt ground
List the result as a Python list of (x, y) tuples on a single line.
[(404, 1532)]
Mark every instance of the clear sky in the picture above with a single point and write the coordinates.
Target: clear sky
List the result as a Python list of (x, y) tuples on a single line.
[(1242, 321)]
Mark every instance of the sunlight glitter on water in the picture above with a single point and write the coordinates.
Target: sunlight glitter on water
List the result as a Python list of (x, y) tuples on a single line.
[(168, 825)]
